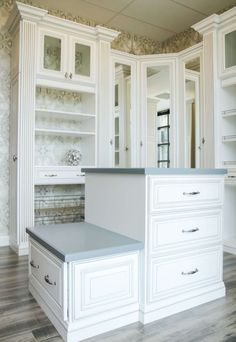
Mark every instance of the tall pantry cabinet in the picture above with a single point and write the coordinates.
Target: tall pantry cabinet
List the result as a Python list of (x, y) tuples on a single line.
[(219, 50), (57, 73)]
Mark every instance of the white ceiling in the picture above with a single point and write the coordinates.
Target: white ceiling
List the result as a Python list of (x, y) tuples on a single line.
[(156, 19)]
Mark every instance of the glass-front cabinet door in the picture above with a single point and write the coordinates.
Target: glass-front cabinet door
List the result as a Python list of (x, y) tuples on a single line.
[(66, 57), (228, 51), (81, 60), (52, 50)]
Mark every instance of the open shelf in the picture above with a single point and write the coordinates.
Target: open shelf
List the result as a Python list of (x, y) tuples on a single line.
[(65, 114), (63, 132)]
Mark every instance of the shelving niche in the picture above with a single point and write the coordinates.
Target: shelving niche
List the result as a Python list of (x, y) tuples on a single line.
[(64, 120)]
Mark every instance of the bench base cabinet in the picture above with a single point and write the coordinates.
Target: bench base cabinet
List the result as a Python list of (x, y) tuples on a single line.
[(87, 297)]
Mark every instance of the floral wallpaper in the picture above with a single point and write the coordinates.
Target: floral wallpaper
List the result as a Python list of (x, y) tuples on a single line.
[(5, 47)]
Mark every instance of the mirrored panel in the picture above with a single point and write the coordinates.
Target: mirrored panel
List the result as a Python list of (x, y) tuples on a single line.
[(122, 120), (158, 116), (192, 113)]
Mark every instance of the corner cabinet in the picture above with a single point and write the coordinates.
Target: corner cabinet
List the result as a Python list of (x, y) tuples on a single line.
[(56, 99)]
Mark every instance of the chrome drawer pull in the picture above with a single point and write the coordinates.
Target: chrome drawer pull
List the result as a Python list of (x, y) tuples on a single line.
[(191, 193), (33, 265), (190, 272), (190, 230), (46, 278), (51, 175)]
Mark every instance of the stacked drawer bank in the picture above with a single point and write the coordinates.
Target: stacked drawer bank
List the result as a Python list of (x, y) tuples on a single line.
[(159, 250)]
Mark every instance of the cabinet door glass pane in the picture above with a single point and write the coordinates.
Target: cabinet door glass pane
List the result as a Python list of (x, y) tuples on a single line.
[(163, 135), (82, 59), (52, 53), (230, 49), (163, 152)]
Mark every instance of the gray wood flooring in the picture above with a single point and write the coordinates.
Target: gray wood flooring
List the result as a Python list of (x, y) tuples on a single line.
[(22, 320)]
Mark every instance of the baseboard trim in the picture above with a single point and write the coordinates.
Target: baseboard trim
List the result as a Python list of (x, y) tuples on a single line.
[(4, 240), (22, 249), (159, 313), (229, 249)]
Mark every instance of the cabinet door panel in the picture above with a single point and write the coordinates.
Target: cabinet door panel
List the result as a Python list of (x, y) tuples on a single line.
[(52, 51), (104, 284), (82, 58)]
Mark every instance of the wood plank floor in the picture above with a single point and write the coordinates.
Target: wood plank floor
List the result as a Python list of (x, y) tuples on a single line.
[(22, 320)]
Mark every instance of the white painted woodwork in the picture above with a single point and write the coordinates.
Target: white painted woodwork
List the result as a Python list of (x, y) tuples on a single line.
[(221, 104), (86, 297), (184, 192), (104, 285), (180, 229), (181, 233), (28, 25), (169, 276)]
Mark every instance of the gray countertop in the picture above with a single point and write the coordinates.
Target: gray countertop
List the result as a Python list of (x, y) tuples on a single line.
[(157, 171), (76, 241)]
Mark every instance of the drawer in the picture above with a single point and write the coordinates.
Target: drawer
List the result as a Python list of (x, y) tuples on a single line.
[(184, 192), (173, 231), (47, 271), (104, 284), (61, 175), (170, 276)]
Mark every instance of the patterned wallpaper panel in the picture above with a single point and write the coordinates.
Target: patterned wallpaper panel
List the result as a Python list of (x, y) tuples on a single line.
[(5, 46)]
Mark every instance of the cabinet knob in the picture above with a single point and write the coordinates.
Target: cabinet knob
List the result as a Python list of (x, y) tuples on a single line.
[(71, 75), (126, 149), (33, 265), (66, 75), (48, 281), (14, 158), (111, 142)]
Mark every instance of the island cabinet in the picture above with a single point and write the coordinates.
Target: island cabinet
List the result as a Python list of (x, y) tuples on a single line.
[(177, 214), (85, 278)]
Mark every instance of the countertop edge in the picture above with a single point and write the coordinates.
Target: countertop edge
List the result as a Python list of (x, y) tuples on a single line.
[(156, 171), (89, 254)]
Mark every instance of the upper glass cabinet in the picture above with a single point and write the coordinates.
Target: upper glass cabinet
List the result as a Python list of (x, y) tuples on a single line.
[(230, 49), (66, 57), (227, 51)]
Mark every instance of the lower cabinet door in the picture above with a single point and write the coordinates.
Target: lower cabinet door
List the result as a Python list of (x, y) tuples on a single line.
[(183, 272), (104, 284)]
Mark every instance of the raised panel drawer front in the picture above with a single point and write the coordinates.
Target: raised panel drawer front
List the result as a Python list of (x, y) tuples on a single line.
[(58, 176), (46, 271), (170, 192), (104, 284), (173, 231), (169, 276)]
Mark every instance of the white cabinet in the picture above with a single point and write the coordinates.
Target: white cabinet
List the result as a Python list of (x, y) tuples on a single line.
[(83, 298), (55, 97), (227, 47), (66, 56), (179, 219)]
